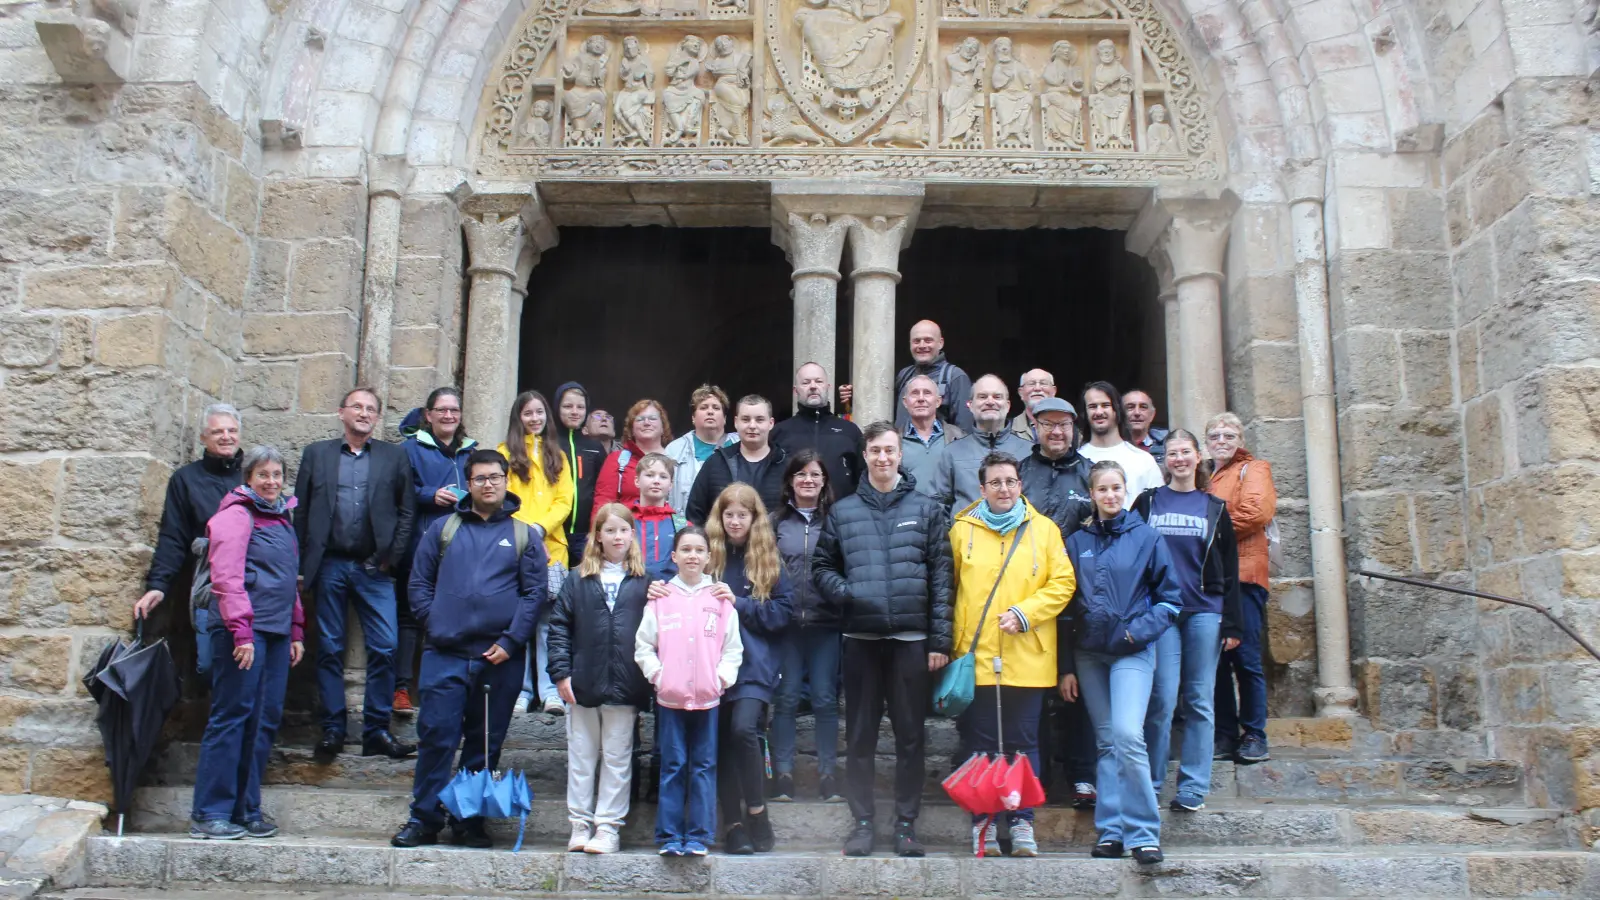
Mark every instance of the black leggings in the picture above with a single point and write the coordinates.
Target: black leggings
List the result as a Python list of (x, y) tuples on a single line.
[(741, 768)]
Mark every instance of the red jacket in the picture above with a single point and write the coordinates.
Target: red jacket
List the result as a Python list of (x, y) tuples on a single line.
[(618, 478)]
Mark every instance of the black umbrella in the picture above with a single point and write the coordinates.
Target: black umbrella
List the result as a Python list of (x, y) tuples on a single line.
[(136, 685)]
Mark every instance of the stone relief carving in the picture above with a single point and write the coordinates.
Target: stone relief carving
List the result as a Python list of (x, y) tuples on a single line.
[(1030, 89)]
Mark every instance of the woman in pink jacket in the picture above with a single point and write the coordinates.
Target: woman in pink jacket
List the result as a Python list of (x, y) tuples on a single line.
[(259, 628), (688, 647)]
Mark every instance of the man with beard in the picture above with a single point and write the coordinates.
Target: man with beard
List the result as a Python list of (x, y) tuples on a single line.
[(1108, 440), (1036, 385), (814, 427), (955, 482), (927, 358)]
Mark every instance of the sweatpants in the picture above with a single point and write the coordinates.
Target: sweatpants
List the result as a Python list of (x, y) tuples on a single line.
[(599, 764), (741, 766), (880, 674)]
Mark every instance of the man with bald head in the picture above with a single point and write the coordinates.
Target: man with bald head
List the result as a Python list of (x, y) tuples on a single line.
[(1036, 384), (927, 358), (955, 480), (814, 427)]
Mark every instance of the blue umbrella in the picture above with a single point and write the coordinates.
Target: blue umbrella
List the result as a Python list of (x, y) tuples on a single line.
[(501, 795)]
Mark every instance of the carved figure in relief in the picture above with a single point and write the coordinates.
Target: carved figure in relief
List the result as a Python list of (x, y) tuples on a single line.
[(851, 45), (538, 128), (782, 123), (1016, 8), (957, 8), (635, 103), (1078, 9), (1111, 101), (585, 100), (1061, 104), (1159, 136), (963, 103), (683, 99), (1012, 84), (723, 8), (613, 8), (730, 92), (907, 125)]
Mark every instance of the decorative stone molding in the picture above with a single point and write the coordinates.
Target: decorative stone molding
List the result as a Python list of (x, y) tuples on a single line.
[(93, 47)]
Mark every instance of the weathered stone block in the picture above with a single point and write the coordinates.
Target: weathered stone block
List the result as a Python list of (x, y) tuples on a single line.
[(1367, 366), (74, 773), (409, 387), (444, 869), (127, 342), (295, 334), (421, 284), (243, 206), (323, 380), (35, 663), (313, 208), (1472, 143), (1428, 368), (762, 877), (1468, 360), (431, 226), (1319, 780), (27, 340), (1544, 876), (1567, 515), (266, 385), (1270, 376), (1574, 692), (892, 877), (1389, 289), (1558, 415), (1416, 219), (35, 155), (148, 150), (326, 276), (1546, 324), (1439, 521), (100, 287), (1395, 621), (269, 279), (208, 249), (1399, 695), (278, 863), (1379, 526), (535, 872), (1312, 733), (13, 770), (127, 495), (1291, 628), (414, 347), (1356, 876), (53, 227), (28, 493), (1058, 877), (1417, 449), (1485, 439), (114, 860), (51, 587), (633, 875)]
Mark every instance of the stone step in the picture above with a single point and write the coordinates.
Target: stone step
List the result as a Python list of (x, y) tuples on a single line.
[(371, 869), (376, 814)]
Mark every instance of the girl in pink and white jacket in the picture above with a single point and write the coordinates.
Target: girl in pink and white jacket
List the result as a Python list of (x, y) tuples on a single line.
[(688, 647)]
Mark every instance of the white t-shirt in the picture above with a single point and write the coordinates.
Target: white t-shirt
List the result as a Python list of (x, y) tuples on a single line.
[(611, 575), (1143, 472)]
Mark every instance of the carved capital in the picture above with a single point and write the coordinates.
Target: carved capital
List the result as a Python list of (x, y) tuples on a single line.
[(813, 243), (1189, 225), (494, 240), (875, 244)]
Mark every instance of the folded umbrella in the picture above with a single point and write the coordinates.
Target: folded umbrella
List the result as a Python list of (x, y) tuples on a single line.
[(986, 787), (502, 795), (136, 685)]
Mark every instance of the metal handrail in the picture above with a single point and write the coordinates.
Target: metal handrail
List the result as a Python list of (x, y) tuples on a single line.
[(1525, 604)]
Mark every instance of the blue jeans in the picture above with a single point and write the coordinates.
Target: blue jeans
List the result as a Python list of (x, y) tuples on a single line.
[(1116, 690), (452, 715), (808, 654), (1186, 664), (1018, 722), (1250, 713), (687, 810), (246, 707), (534, 672), (345, 580)]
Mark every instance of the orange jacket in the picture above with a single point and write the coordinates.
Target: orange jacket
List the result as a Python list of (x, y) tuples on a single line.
[(1252, 502)]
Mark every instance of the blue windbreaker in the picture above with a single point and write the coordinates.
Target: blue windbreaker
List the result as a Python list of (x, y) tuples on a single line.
[(481, 593), (1126, 595)]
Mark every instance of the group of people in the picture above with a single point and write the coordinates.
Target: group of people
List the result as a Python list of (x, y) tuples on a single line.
[(1088, 562)]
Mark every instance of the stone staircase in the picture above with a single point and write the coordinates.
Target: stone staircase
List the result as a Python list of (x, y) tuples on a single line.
[(1322, 819)]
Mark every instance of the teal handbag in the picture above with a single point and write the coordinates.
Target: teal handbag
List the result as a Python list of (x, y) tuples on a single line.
[(959, 680)]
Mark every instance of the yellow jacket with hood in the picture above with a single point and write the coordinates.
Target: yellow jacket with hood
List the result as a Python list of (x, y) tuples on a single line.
[(544, 504), (1037, 584)]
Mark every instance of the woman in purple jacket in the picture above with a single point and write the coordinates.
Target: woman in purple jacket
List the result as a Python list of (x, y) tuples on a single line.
[(255, 561)]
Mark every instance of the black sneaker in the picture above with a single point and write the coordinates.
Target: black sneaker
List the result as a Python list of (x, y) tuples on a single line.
[(828, 790), (331, 745), (1107, 850), (471, 833), (414, 834), (783, 787), (905, 840), (1224, 750), (1147, 856), (859, 841), (382, 743), (1253, 750), (736, 842), (261, 827), (215, 830), (760, 827)]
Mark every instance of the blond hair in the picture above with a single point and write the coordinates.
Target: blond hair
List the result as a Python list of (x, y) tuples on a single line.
[(1224, 418), (594, 556), (761, 563)]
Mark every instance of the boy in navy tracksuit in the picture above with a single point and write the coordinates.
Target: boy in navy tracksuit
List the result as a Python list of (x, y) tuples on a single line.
[(476, 589)]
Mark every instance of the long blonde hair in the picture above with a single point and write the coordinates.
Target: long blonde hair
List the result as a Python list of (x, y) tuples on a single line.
[(594, 556), (761, 563)]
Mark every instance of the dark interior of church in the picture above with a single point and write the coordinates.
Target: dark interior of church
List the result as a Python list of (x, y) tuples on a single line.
[(633, 312)]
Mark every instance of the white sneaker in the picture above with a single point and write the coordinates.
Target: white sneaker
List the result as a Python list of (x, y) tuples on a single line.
[(579, 842), (1023, 842), (554, 707), (521, 709), (605, 840), (984, 841)]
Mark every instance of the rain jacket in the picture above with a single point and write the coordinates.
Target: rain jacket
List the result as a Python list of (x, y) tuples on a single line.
[(1037, 586), (1245, 484), (656, 527), (619, 479), (1126, 595), (838, 441), (478, 592), (544, 504), (432, 467), (797, 538), (255, 569), (592, 643), (762, 626), (687, 466)]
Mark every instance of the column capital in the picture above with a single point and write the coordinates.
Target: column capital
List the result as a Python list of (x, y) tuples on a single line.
[(490, 214), (1190, 225), (875, 243), (814, 243)]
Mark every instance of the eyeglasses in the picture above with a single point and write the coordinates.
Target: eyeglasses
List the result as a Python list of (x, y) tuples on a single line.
[(648, 417), (1037, 383), (1055, 426), (1009, 484), (1223, 436), (445, 410), (363, 408), (486, 480)]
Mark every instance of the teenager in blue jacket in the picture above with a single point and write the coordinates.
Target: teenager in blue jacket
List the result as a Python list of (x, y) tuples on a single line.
[(1126, 598)]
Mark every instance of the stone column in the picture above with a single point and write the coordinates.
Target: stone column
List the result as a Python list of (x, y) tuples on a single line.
[(498, 228), (814, 245), (526, 261), (385, 183), (875, 270)]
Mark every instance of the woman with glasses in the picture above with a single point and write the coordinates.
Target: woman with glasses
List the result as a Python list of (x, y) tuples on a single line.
[(1245, 484), (541, 481), (1012, 581), (645, 431)]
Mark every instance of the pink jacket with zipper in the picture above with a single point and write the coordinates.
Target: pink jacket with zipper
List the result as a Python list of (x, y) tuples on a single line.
[(689, 646)]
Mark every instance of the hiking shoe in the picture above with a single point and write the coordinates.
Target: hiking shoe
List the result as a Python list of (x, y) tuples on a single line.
[(605, 840), (828, 789), (579, 841), (671, 848), (1147, 856), (694, 848), (1023, 842), (985, 840), (261, 827), (471, 833), (216, 830), (783, 787), (859, 841), (760, 827), (905, 840), (1253, 750), (736, 841), (1083, 795), (1107, 850), (414, 834), (1186, 803), (402, 703)]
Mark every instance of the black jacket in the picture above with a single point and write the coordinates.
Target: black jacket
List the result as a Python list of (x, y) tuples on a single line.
[(838, 441), (593, 645), (1059, 488), (193, 494), (797, 538), (762, 626), (1220, 571), (717, 473), (391, 508), (586, 457), (883, 562)]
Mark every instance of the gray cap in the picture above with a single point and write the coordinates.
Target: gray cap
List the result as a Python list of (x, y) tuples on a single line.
[(1053, 404)]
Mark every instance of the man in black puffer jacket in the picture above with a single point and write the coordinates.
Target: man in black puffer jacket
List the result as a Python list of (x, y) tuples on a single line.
[(883, 562)]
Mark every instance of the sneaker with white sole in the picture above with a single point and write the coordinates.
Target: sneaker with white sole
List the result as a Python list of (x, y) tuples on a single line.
[(521, 707), (1083, 795), (554, 707), (605, 840), (985, 840), (579, 842), (1187, 803), (1023, 842)]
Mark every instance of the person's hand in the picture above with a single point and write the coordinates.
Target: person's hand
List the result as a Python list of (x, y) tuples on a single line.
[(564, 688), (297, 652), (1069, 688), (846, 391), (656, 590), (937, 661), (1010, 623), (496, 654), (1230, 644), (722, 592), (246, 656), (443, 497), (148, 602)]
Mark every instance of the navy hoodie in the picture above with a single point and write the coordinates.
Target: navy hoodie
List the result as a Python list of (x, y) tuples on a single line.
[(481, 593), (762, 626), (432, 467)]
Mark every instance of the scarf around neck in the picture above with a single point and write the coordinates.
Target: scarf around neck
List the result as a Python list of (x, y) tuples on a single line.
[(1002, 523), (276, 507)]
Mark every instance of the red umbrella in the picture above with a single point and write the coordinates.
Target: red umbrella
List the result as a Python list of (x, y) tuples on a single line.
[(985, 786)]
